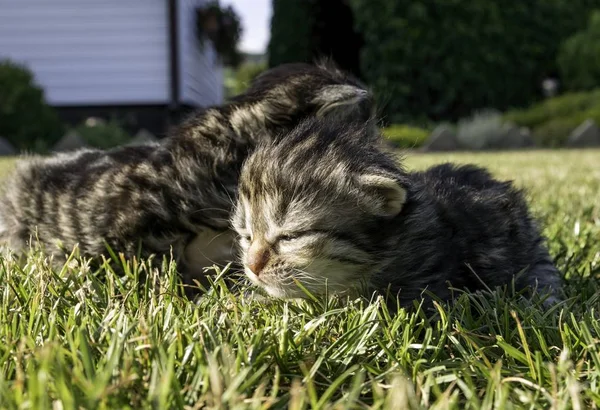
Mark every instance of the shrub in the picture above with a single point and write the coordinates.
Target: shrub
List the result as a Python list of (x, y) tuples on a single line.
[(229, 82), (562, 106), (25, 118), (555, 132), (245, 74), (553, 120), (578, 58), (405, 136), (485, 129), (102, 134)]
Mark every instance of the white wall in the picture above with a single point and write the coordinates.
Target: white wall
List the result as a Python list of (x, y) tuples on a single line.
[(201, 73), (87, 52)]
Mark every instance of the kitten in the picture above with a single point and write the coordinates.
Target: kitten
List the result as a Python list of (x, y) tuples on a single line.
[(176, 193), (326, 207)]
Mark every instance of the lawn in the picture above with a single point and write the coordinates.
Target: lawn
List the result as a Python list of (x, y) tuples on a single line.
[(70, 339)]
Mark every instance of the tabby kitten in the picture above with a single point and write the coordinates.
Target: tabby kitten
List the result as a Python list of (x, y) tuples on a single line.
[(175, 193), (326, 207)]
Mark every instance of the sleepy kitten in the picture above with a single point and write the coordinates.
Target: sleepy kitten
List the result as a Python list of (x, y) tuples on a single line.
[(327, 208), (177, 192)]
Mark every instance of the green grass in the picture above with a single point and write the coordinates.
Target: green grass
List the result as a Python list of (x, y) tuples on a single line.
[(6, 164), (70, 340)]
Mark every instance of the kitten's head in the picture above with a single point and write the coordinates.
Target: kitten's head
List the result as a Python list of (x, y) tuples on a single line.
[(317, 208), (290, 92)]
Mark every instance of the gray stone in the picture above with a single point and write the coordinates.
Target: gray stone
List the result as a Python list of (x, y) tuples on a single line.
[(441, 139), (586, 135), (513, 137), (142, 137), (70, 142), (528, 141), (6, 148)]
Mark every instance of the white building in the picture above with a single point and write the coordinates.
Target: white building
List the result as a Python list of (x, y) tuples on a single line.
[(137, 58)]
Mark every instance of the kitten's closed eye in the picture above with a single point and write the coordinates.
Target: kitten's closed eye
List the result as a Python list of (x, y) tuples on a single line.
[(283, 238), (290, 236)]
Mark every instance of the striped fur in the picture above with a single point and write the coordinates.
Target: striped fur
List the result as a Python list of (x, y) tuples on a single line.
[(175, 194), (327, 207)]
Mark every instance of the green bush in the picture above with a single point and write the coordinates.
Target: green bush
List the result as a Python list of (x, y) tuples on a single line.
[(26, 121), (405, 136), (579, 57), (555, 132), (482, 53), (229, 82), (245, 74), (103, 134), (563, 106), (553, 120)]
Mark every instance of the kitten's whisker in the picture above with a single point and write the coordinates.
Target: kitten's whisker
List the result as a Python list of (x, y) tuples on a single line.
[(211, 260), (300, 274), (235, 250), (211, 209), (217, 236), (231, 200), (197, 211)]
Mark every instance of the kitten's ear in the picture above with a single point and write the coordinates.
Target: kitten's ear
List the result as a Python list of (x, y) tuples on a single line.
[(332, 96), (386, 196)]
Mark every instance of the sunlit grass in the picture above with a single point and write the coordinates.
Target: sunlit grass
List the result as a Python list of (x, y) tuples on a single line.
[(6, 164), (75, 338)]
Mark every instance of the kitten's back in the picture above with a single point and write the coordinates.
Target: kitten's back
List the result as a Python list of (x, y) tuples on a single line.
[(491, 231)]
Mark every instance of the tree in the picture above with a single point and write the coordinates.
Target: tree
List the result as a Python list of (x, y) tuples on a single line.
[(291, 27), (26, 121), (579, 57), (443, 59), (304, 30)]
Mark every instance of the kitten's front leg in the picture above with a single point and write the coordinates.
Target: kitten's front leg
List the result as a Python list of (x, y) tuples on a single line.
[(209, 248)]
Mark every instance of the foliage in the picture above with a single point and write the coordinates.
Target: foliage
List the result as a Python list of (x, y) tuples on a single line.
[(245, 74), (291, 25), (103, 134), (229, 82), (305, 30), (223, 28), (449, 58), (405, 136), (555, 132), (553, 119), (76, 338), (26, 120), (579, 57), (562, 106)]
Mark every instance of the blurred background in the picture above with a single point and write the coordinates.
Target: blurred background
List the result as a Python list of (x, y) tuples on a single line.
[(447, 74)]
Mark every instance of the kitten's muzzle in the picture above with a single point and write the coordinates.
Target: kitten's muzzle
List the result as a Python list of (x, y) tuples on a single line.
[(258, 257)]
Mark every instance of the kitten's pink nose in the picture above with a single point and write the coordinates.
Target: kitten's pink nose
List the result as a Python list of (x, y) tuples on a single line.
[(258, 256)]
